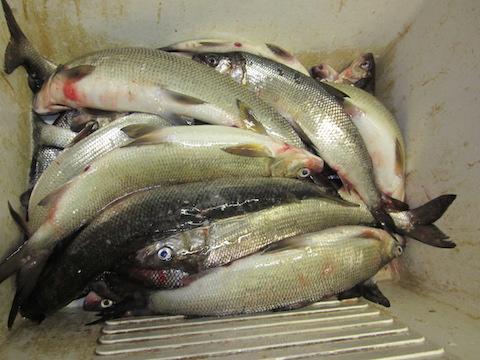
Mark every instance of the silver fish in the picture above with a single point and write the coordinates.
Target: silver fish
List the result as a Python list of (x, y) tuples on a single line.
[(157, 82), (75, 159), (308, 268), (316, 114), (227, 240), (268, 51)]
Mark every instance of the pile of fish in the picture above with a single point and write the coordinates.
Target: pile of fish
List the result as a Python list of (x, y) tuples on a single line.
[(207, 178)]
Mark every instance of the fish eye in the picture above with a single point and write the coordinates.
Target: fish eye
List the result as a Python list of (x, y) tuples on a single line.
[(211, 60), (365, 65), (398, 251), (303, 173), (106, 303), (165, 254)]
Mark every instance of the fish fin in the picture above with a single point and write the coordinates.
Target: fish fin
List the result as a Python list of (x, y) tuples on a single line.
[(395, 204), (278, 51), (384, 219), (89, 127), (135, 131), (340, 95), (422, 218), (25, 198), (12, 263), (253, 150), (13, 54), (292, 306), (76, 73), (250, 121), (290, 243), (182, 98), (13, 312), (98, 112), (369, 290), (19, 219), (53, 195), (327, 187)]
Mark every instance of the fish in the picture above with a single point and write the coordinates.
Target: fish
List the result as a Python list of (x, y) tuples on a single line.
[(224, 241), (268, 51), (146, 80), (360, 73), (20, 52), (73, 160), (382, 136), (49, 135), (317, 115), (204, 154), (303, 269), (128, 223)]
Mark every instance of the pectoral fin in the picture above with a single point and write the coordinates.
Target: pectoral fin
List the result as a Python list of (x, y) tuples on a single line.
[(253, 150), (249, 118)]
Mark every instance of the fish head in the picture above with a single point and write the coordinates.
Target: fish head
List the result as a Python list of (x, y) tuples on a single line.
[(390, 245), (324, 72), (231, 64), (60, 92), (179, 251), (361, 68), (290, 161)]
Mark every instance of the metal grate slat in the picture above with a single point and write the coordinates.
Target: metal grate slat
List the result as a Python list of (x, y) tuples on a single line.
[(333, 329)]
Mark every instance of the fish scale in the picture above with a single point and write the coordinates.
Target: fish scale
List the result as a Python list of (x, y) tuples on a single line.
[(320, 264), (147, 80)]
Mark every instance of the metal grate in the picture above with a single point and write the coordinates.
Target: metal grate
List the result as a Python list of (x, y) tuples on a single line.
[(338, 329)]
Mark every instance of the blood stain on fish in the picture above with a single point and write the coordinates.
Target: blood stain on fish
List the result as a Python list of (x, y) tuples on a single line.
[(70, 91)]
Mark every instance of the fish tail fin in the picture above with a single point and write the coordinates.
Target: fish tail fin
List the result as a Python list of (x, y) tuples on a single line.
[(19, 219), (12, 263), (422, 219), (14, 56), (20, 52)]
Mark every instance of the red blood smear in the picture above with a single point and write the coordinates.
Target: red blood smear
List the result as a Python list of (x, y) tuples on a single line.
[(237, 44), (69, 91)]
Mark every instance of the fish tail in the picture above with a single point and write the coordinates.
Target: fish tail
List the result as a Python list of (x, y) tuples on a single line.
[(422, 219), (20, 52), (12, 263), (384, 219), (14, 54), (19, 219)]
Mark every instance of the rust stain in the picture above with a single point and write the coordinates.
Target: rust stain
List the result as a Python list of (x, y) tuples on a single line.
[(433, 78), (159, 12), (435, 110), (391, 49), (470, 165), (341, 4)]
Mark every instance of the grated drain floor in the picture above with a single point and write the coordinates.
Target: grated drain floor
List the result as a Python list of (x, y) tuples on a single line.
[(350, 329)]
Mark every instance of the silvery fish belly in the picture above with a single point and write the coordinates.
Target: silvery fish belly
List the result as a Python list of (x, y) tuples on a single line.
[(316, 114), (203, 155), (130, 222), (268, 51), (308, 268), (226, 240), (75, 159), (382, 136), (154, 81)]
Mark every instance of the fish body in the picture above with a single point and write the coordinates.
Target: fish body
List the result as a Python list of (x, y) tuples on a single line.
[(154, 81), (139, 165), (227, 240), (75, 159), (268, 51), (130, 222), (317, 114), (382, 136), (316, 265)]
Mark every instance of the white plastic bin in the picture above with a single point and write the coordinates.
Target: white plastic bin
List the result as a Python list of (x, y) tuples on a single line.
[(428, 75)]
